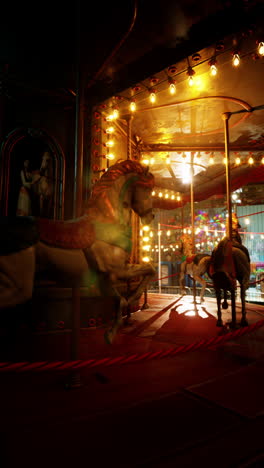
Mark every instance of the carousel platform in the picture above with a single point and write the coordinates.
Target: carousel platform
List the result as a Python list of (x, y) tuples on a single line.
[(200, 405)]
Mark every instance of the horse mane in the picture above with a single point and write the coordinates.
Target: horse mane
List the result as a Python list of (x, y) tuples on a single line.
[(117, 170)]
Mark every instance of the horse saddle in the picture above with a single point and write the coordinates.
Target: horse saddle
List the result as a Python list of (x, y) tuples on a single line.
[(17, 233)]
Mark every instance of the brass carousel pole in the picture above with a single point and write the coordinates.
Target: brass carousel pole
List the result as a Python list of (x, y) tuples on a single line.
[(226, 116), (192, 221)]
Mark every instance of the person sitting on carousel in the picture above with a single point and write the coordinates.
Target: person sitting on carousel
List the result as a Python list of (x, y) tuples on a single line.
[(235, 236)]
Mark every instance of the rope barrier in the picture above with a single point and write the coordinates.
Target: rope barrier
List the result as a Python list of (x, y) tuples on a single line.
[(46, 366)]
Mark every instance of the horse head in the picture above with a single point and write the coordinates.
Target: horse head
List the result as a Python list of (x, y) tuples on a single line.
[(141, 201), (46, 164)]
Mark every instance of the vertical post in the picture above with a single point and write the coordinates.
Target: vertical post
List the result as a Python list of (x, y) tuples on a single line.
[(79, 123), (226, 117), (129, 133), (192, 205), (159, 267), (192, 221)]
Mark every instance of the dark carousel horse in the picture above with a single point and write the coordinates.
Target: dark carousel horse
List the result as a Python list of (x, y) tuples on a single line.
[(230, 263)]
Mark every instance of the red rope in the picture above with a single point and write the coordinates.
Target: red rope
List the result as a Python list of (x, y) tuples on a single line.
[(136, 357)]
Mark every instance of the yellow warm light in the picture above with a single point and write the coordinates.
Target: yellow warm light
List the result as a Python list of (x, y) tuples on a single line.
[(152, 97), (145, 162), (178, 198), (238, 161), (166, 195), (153, 193), (224, 160), (247, 221), (191, 80), (168, 233), (109, 129), (251, 160), (133, 106), (115, 114), (262, 160), (236, 60), (160, 194), (110, 117), (213, 70), (172, 88), (145, 227), (167, 160), (110, 156), (173, 197), (146, 259), (261, 48), (152, 161), (110, 143), (211, 160), (146, 238), (146, 248)]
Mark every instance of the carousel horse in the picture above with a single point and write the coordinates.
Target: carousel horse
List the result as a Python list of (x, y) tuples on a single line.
[(194, 265), (44, 188), (93, 250), (230, 263)]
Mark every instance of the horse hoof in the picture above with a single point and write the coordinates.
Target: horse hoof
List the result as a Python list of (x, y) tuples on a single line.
[(219, 323), (244, 323)]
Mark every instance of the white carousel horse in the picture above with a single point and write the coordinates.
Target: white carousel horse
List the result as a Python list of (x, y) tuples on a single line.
[(93, 250), (230, 263), (44, 186), (194, 265)]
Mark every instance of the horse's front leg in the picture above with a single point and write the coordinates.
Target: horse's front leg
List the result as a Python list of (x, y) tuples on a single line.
[(219, 322), (244, 322)]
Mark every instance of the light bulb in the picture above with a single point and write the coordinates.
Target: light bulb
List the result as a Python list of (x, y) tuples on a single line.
[(110, 156), (132, 106), (109, 129), (238, 161), (172, 88), (211, 160), (152, 97), (191, 81), (115, 114), (109, 143), (213, 70), (261, 48), (251, 160), (236, 60)]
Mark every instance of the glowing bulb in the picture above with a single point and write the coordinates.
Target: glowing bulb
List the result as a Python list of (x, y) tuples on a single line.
[(110, 143), (132, 106), (173, 196), (224, 160), (110, 156), (178, 198), (261, 48), (262, 160), (251, 160), (145, 228), (167, 160), (115, 114), (238, 161), (109, 129), (247, 221), (172, 88), (168, 233), (166, 195), (153, 193), (145, 162), (152, 97), (211, 160), (191, 81), (213, 70), (146, 259), (160, 194), (152, 160), (110, 117), (236, 60), (146, 239)]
